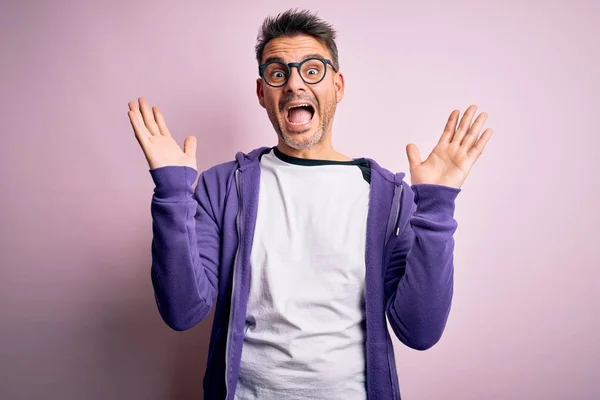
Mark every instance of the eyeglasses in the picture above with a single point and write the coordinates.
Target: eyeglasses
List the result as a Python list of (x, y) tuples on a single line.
[(277, 73)]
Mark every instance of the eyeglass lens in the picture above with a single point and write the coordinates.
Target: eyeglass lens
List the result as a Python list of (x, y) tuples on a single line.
[(312, 71)]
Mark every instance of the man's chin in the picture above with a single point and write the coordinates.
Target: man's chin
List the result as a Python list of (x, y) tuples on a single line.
[(301, 140), (297, 132)]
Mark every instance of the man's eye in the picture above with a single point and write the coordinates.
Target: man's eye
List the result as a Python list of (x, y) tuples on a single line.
[(313, 71), (278, 74)]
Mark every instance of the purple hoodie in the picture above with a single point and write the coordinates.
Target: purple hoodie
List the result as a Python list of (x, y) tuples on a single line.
[(201, 255)]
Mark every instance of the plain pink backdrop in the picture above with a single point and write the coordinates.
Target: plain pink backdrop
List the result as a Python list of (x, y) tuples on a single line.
[(78, 319)]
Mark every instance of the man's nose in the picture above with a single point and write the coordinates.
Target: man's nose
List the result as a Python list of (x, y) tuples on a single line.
[(295, 82)]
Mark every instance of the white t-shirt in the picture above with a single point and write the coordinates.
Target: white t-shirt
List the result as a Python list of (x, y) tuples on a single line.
[(304, 336)]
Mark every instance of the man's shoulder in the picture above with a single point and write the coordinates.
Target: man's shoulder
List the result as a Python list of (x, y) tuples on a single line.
[(240, 160), (385, 173), (223, 168), (223, 171)]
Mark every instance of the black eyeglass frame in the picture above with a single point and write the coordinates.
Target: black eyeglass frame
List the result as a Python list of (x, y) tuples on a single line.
[(298, 65)]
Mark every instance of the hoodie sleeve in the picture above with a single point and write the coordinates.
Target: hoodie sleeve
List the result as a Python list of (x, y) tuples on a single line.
[(185, 247), (420, 276)]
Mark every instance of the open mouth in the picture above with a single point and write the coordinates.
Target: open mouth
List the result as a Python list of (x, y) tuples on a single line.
[(300, 114)]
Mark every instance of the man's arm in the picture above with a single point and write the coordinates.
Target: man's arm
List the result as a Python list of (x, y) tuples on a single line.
[(186, 240), (419, 277), (185, 247)]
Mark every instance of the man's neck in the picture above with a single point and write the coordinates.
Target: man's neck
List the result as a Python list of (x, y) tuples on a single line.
[(317, 152)]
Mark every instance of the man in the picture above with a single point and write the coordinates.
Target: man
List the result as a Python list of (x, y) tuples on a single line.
[(304, 250)]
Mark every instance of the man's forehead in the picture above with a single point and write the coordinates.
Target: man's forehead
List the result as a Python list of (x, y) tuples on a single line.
[(294, 48)]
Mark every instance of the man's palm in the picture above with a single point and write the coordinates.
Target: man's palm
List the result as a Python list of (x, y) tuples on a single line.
[(160, 148), (453, 157)]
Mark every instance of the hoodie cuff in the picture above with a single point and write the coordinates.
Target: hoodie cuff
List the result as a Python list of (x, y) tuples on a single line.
[(435, 200), (173, 183)]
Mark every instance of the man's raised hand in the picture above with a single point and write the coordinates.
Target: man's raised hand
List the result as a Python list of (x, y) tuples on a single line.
[(453, 157), (160, 148)]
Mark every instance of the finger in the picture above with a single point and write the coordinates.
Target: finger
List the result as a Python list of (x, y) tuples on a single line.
[(133, 106), (148, 117), (473, 133), (189, 146), (160, 121), (138, 119), (413, 154), (464, 125), (477, 149), (450, 127), (137, 123)]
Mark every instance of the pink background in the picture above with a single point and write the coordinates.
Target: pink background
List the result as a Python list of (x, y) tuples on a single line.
[(78, 319)]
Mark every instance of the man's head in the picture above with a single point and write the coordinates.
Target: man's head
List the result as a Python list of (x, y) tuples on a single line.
[(301, 110)]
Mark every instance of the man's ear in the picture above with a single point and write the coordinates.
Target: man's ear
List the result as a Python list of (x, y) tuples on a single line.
[(260, 93), (339, 84)]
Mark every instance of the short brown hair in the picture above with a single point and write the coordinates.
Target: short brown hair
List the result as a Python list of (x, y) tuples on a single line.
[(292, 23)]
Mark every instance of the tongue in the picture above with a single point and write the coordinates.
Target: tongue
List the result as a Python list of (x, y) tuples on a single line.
[(299, 114)]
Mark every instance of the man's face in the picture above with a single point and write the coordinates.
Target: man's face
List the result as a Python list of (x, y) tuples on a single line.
[(300, 127)]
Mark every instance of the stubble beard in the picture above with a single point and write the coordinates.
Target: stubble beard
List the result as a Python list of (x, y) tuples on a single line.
[(300, 143)]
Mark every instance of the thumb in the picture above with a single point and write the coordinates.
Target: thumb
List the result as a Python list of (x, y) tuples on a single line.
[(189, 146), (414, 156)]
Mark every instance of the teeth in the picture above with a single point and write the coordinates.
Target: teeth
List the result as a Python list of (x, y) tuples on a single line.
[(300, 105)]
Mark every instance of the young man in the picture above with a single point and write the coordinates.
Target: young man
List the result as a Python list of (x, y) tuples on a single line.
[(304, 250)]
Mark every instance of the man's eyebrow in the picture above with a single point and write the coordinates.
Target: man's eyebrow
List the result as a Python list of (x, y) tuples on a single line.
[(279, 59), (316, 55), (273, 59)]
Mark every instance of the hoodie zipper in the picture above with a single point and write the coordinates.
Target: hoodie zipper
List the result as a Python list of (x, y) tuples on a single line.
[(395, 229), (235, 262)]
